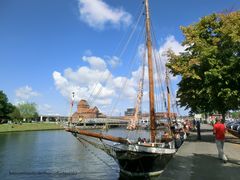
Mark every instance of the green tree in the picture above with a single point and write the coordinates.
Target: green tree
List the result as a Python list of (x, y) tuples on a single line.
[(236, 114), (15, 115), (28, 111), (5, 108), (210, 65)]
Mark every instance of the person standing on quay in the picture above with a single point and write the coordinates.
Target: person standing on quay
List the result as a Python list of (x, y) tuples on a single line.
[(219, 130), (198, 130)]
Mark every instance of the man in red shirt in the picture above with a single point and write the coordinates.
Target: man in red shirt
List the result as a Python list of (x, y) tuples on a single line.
[(219, 130)]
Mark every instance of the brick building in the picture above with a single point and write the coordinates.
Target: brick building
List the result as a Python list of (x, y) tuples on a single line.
[(85, 111)]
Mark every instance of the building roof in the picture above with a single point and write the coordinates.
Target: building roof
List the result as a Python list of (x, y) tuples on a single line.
[(83, 104)]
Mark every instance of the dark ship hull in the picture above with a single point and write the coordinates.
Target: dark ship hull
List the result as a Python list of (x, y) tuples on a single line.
[(143, 161), (143, 164), (135, 159)]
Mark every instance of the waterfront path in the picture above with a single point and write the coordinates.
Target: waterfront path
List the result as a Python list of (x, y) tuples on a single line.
[(198, 159)]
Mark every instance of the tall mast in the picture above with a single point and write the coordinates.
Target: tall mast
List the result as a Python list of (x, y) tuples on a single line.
[(168, 95), (150, 74)]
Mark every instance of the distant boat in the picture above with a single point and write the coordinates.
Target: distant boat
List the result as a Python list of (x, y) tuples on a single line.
[(136, 157)]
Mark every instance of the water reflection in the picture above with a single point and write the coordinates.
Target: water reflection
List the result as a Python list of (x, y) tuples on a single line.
[(52, 155), (56, 155)]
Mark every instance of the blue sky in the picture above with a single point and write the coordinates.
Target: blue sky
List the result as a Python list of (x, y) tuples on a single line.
[(49, 48)]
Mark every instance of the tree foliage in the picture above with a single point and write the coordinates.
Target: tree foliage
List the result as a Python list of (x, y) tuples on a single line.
[(15, 115), (235, 115), (5, 107), (210, 65), (28, 111)]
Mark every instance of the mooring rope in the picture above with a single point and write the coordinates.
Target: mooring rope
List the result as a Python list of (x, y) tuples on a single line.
[(85, 146)]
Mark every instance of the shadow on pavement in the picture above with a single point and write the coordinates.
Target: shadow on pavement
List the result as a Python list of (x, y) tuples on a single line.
[(207, 166), (204, 138), (207, 136), (199, 167), (234, 140)]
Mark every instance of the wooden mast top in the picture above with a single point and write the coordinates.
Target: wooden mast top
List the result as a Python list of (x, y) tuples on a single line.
[(168, 96), (150, 74)]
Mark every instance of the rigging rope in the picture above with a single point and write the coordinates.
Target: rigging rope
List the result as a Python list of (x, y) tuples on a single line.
[(138, 15), (133, 122), (95, 155), (131, 63), (175, 100), (159, 75), (92, 98), (172, 95)]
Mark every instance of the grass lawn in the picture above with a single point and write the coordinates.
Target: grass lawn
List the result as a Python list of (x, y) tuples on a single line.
[(29, 127)]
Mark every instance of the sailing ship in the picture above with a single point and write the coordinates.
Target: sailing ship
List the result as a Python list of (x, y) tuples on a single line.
[(135, 158)]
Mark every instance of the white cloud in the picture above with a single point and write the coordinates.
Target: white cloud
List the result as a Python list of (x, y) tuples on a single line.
[(86, 75), (46, 109), (125, 86), (106, 92), (25, 93), (93, 82), (114, 61), (59, 80), (96, 83), (96, 13), (173, 44), (95, 62)]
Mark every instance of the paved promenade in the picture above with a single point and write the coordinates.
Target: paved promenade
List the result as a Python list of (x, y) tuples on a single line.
[(198, 160)]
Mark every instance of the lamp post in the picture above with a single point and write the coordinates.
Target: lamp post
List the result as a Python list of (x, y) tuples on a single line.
[(71, 106)]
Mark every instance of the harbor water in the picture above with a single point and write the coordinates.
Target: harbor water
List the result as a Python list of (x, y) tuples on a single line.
[(56, 155)]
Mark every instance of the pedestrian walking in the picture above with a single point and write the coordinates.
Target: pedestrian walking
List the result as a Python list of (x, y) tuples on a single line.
[(198, 130), (194, 124), (219, 130)]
